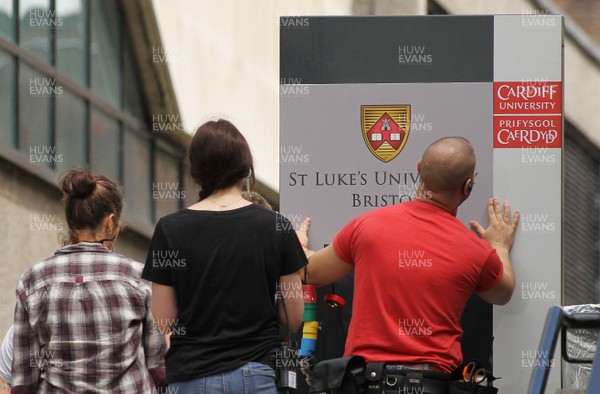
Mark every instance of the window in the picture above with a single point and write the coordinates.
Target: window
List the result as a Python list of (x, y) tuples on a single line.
[(137, 183), (167, 188), (7, 99), (35, 92), (71, 96), (70, 131), (105, 59), (105, 143), (71, 45), (7, 20), (133, 98), (36, 22)]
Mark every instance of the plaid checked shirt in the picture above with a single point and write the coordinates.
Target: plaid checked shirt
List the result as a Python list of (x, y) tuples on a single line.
[(83, 324)]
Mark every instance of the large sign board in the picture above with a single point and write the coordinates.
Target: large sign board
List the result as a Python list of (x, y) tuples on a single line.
[(360, 100)]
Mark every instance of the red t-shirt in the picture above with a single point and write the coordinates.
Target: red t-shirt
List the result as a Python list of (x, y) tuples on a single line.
[(415, 267)]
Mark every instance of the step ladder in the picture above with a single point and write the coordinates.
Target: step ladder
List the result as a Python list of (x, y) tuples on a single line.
[(558, 322)]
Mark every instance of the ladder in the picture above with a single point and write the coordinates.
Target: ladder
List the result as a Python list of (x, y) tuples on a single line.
[(557, 322)]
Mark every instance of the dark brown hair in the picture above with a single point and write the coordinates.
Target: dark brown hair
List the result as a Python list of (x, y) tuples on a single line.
[(219, 157), (257, 199), (88, 199)]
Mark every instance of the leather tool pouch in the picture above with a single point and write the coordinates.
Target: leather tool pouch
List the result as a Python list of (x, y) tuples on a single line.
[(461, 387), (374, 376), (339, 376)]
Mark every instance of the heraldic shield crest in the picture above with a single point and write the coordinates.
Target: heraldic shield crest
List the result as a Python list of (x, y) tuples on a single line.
[(385, 129)]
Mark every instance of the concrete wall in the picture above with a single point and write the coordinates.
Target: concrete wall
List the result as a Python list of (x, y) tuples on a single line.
[(30, 230), (224, 61)]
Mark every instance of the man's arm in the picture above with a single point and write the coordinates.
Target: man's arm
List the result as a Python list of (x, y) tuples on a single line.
[(500, 234), (325, 267)]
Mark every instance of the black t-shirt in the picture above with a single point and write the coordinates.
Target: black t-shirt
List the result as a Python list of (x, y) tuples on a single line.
[(224, 267)]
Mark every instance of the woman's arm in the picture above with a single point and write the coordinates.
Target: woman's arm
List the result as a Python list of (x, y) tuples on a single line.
[(6, 357), (293, 300), (164, 307), (155, 345)]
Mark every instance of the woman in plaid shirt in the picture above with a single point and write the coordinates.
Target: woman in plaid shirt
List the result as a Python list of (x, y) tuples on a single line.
[(83, 319)]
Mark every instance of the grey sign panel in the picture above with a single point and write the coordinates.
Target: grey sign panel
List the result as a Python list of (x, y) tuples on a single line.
[(327, 171)]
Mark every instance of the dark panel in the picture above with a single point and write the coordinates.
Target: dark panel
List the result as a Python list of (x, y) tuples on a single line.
[(320, 50)]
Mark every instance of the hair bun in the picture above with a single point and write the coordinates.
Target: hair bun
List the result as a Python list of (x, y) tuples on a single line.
[(78, 183)]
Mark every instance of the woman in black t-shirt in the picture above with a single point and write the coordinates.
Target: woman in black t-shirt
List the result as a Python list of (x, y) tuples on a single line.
[(216, 267)]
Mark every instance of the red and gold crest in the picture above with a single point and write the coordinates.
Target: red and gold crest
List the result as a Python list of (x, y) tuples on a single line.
[(385, 129)]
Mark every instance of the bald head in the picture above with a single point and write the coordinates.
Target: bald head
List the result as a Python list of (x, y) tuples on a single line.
[(447, 164)]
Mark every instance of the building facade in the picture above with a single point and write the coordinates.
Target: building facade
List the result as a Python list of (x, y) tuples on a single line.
[(79, 87)]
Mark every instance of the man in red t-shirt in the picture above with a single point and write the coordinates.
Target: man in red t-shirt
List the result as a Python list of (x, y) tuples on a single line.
[(415, 265)]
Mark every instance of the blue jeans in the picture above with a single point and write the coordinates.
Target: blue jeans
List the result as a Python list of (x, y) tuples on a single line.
[(251, 378)]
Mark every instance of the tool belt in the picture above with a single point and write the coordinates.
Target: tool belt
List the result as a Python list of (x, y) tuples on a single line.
[(351, 375), (396, 379)]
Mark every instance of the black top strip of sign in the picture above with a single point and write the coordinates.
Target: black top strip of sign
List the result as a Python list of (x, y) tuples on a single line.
[(386, 49)]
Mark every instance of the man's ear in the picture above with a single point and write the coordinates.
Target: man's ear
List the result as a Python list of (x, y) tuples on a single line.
[(468, 187)]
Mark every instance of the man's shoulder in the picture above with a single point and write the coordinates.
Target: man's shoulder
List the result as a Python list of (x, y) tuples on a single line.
[(391, 210)]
